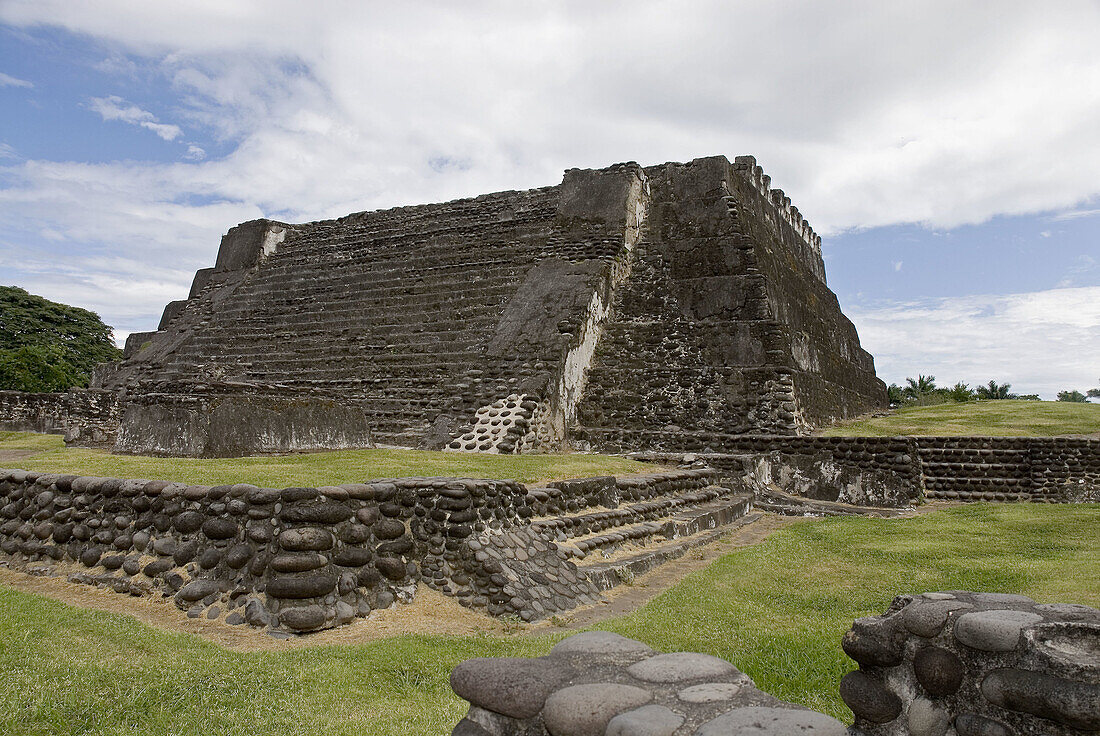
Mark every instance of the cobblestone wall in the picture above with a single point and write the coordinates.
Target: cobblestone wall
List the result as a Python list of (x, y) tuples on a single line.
[(938, 664), (301, 559)]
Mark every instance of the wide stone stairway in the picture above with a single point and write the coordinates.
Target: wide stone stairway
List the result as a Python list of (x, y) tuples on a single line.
[(616, 529)]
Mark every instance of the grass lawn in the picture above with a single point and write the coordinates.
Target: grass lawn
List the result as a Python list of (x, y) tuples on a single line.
[(777, 610), (989, 418), (305, 469)]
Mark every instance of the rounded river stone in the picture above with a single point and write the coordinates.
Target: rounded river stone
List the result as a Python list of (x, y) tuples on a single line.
[(327, 512), (709, 692), (220, 528), (993, 631), (306, 539), (310, 586), (188, 521), (585, 710), (197, 590), (971, 724), (868, 698), (298, 563), (680, 666), (925, 719), (1074, 704), (601, 642), (649, 720), (761, 721), (938, 670), (392, 568), (926, 618), (303, 618), (514, 687)]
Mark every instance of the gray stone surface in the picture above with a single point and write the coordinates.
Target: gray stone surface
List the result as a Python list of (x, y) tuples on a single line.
[(602, 643), (710, 692), (649, 720), (585, 710), (994, 630), (682, 666), (517, 688), (760, 721)]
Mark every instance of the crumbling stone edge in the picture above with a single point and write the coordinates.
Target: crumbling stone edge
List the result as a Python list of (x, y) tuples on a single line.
[(951, 663)]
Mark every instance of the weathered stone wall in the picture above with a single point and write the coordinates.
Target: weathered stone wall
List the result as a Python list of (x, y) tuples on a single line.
[(85, 417), (975, 664), (301, 559), (624, 297), (892, 471), (725, 325), (603, 684), (938, 664)]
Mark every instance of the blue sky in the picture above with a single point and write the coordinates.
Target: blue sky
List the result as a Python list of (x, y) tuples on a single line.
[(948, 157)]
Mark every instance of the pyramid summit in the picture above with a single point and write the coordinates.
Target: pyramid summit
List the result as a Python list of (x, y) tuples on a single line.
[(619, 307)]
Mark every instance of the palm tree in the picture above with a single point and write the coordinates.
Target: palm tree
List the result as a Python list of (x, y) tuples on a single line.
[(994, 391), (920, 387)]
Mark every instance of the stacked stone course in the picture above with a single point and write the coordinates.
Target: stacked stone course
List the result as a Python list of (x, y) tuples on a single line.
[(302, 559)]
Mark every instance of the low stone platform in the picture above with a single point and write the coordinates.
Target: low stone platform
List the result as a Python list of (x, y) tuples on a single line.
[(302, 559), (938, 664)]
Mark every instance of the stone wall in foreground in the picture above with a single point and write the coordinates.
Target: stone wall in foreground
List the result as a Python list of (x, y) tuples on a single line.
[(938, 664), (303, 559), (85, 417)]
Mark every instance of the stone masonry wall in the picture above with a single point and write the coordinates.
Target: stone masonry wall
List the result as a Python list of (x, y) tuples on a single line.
[(975, 664), (894, 471), (85, 417), (302, 559), (939, 664)]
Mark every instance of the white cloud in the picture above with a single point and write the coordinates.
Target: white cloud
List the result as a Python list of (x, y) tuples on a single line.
[(867, 114), (6, 151), (116, 108), (1041, 342), (6, 80), (1074, 215)]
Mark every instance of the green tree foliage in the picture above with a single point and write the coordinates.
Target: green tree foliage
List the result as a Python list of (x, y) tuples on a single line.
[(994, 390), (920, 386), (895, 394), (959, 393), (1075, 396), (46, 346)]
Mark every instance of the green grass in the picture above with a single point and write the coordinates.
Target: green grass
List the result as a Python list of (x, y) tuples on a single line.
[(306, 469), (989, 418), (777, 610)]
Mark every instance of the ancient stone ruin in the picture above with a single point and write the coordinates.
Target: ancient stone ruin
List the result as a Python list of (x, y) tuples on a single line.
[(687, 298), (955, 662)]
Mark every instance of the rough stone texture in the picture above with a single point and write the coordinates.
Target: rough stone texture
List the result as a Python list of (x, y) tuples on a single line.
[(86, 417), (302, 559), (976, 664), (682, 295), (593, 691), (893, 471)]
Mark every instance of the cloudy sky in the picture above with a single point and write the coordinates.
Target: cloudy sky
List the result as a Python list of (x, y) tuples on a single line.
[(948, 152)]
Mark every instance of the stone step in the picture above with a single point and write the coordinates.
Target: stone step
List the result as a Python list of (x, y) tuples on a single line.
[(607, 575), (575, 525), (684, 522)]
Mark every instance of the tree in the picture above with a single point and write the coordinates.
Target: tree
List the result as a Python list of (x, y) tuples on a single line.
[(920, 386), (994, 391), (1074, 396), (959, 393), (46, 346), (895, 395)]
